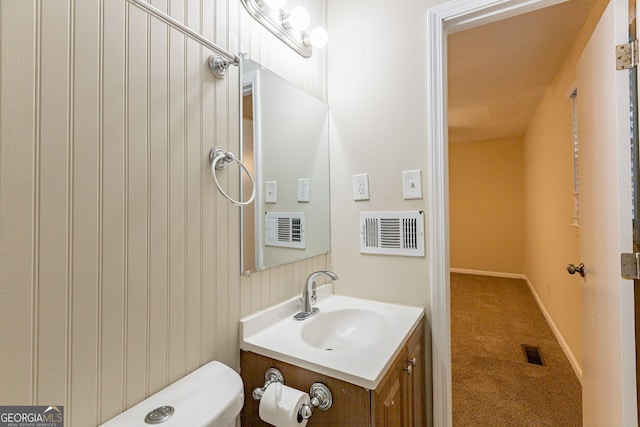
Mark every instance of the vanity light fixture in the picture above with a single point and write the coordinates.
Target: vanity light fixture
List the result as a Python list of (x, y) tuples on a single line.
[(298, 19), (289, 27), (273, 4), (318, 37)]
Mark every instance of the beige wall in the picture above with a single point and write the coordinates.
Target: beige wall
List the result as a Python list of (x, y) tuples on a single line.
[(119, 262), (551, 243), (486, 182), (378, 98)]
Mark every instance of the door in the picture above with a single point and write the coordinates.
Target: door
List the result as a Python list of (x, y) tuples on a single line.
[(390, 406), (609, 396)]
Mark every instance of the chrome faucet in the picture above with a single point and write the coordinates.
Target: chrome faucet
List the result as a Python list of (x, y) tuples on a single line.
[(309, 295)]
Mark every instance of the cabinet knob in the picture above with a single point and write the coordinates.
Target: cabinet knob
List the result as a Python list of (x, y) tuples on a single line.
[(408, 369), (412, 361)]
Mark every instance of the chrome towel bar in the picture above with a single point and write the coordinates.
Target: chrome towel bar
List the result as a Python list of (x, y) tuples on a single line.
[(217, 63)]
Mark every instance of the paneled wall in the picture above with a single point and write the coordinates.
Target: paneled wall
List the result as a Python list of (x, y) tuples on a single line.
[(119, 262)]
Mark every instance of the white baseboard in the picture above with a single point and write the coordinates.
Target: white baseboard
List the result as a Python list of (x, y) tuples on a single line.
[(488, 273), (563, 344), (565, 347)]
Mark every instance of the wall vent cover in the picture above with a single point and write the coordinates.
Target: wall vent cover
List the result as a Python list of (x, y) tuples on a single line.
[(284, 229), (392, 233)]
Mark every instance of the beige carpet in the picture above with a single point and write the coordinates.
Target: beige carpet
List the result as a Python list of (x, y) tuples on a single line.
[(493, 385)]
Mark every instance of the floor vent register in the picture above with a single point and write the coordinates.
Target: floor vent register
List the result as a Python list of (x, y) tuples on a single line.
[(532, 355)]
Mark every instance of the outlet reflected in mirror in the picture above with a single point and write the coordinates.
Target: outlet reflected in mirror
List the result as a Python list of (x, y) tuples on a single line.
[(285, 143)]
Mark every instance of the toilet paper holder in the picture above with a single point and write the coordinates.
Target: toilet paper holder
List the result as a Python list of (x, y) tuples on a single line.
[(272, 375), (319, 393)]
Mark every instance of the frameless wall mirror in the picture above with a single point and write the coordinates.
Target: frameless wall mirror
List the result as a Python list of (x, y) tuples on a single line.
[(285, 143)]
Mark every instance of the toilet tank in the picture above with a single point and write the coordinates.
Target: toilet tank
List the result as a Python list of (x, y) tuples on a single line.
[(210, 396)]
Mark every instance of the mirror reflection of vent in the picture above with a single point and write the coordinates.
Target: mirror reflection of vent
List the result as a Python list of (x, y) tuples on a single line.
[(392, 233), (284, 229)]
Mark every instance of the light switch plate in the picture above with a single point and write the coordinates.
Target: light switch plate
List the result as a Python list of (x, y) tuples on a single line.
[(303, 189), (412, 184), (361, 186), (270, 195)]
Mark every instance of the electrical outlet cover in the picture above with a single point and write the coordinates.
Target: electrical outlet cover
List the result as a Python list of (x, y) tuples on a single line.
[(361, 186)]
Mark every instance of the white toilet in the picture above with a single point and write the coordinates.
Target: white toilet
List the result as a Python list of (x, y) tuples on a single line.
[(211, 396)]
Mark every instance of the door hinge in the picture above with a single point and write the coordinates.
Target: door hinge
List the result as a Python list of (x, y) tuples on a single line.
[(630, 266), (627, 55)]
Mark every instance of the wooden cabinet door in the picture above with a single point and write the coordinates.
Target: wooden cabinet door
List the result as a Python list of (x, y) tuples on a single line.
[(351, 404), (391, 403), (417, 390)]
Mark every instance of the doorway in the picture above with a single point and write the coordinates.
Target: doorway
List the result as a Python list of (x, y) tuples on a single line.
[(457, 16), (510, 170)]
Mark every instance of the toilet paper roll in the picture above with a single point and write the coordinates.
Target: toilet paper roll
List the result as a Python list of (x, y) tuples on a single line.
[(280, 404)]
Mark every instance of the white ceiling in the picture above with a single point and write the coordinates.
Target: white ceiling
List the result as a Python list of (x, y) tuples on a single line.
[(498, 72)]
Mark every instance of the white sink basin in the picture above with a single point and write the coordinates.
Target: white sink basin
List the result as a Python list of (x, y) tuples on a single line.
[(344, 329), (351, 339)]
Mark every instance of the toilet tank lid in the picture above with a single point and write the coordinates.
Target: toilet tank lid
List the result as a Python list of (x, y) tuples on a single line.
[(211, 396)]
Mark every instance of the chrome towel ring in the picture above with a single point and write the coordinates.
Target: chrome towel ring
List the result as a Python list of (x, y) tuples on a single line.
[(219, 159)]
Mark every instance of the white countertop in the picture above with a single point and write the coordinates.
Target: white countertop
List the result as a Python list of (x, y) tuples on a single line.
[(274, 333)]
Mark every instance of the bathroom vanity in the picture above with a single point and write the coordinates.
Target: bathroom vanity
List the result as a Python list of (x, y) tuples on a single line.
[(369, 354)]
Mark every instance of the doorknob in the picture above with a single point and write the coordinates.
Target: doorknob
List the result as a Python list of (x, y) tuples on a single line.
[(572, 269)]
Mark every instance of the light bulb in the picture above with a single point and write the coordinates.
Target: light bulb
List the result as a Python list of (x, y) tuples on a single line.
[(318, 37), (299, 18), (275, 4)]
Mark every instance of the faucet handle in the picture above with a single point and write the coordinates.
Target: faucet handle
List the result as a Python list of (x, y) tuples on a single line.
[(313, 298)]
